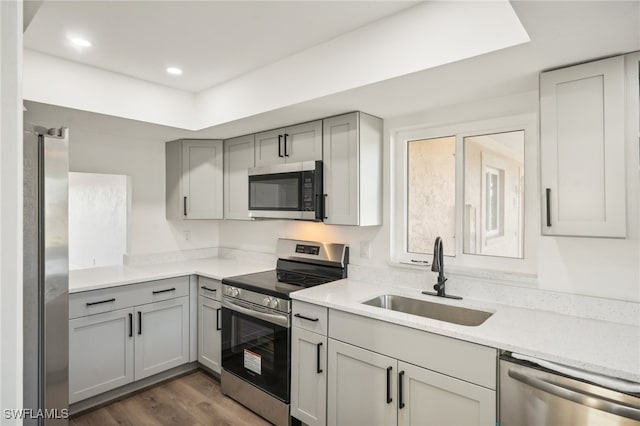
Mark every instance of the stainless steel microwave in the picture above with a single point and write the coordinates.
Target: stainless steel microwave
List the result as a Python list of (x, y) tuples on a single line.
[(287, 191)]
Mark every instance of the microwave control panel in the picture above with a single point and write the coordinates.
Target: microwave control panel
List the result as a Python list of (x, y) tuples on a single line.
[(308, 191)]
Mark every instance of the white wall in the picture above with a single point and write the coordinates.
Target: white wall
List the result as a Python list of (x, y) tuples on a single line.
[(138, 152), (144, 161), (11, 207), (588, 266)]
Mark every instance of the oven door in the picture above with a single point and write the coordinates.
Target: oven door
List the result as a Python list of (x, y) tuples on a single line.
[(256, 346)]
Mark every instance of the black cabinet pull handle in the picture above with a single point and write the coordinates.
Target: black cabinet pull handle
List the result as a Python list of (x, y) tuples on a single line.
[(324, 207), (389, 399), (130, 325), (218, 326), (548, 191), (306, 318), (164, 291), (400, 385), (318, 366), (101, 302), (280, 146), (184, 206), (139, 322), (285, 145), (208, 289)]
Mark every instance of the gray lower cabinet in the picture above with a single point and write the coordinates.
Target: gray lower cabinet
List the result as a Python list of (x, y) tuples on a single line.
[(361, 387), (100, 353), (308, 376), (126, 333), (209, 333), (161, 337), (429, 398), (367, 388)]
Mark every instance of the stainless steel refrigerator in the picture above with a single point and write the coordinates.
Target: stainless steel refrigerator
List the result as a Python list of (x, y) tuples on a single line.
[(46, 276)]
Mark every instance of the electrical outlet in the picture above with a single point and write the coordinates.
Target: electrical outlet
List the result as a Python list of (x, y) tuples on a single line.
[(365, 249), (187, 235)]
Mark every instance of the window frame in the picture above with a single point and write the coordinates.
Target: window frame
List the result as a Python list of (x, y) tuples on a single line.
[(462, 262)]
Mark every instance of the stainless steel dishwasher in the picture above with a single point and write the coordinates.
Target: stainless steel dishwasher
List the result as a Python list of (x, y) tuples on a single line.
[(531, 395)]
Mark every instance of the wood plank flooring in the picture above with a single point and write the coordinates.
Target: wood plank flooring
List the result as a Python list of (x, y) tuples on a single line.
[(194, 399)]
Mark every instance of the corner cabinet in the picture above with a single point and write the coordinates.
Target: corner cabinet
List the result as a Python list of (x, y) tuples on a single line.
[(210, 324), (582, 150), (352, 157), (302, 142), (194, 179), (238, 158)]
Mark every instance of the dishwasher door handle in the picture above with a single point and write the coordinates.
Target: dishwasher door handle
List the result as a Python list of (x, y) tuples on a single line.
[(588, 400)]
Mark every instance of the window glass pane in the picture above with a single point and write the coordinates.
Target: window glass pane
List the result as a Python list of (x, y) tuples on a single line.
[(431, 206), (494, 194)]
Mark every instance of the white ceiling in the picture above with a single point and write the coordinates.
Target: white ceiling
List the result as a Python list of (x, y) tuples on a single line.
[(211, 41), (561, 33)]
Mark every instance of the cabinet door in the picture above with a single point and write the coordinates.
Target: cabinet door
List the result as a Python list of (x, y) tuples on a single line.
[(161, 336), (100, 353), (361, 387), (309, 377), (427, 398), (303, 142), (209, 333), (202, 179), (238, 157), (269, 148), (340, 158), (582, 130)]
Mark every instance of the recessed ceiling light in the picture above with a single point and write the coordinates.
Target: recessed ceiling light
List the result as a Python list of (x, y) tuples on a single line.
[(80, 42), (174, 71)]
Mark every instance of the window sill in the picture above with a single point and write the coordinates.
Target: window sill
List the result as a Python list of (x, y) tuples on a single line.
[(521, 279)]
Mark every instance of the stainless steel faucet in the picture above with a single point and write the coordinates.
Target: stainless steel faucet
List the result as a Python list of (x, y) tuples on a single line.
[(438, 266)]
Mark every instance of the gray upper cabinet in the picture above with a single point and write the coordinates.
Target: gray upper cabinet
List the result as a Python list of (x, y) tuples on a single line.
[(238, 158), (194, 179), (302, 142), (582, 150), (352, 157)]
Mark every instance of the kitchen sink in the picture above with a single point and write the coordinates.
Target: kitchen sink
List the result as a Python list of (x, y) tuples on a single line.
[(437, 311)]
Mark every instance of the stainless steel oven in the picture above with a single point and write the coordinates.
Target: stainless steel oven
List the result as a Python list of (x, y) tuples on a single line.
[(256, 320), (287, 191), (256, 344)]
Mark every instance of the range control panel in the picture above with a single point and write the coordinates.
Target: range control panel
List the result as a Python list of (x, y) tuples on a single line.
[(307, 249)]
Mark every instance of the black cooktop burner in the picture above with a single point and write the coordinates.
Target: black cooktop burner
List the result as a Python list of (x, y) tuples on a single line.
[(273, 283), (289, 277)]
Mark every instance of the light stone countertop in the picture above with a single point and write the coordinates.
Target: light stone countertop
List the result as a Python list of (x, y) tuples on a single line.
[(596, 346), (112, 276)]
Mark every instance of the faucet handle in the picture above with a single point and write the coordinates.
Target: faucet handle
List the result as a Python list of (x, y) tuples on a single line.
[(440, 284)]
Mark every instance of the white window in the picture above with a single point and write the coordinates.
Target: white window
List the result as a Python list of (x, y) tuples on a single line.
[(465, 183)]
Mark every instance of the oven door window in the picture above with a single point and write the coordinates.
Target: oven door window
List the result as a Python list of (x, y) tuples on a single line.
[(257, 351), (280, 191)]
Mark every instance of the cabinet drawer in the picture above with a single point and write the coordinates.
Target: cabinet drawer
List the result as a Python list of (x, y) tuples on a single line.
[(310, 317), (109, 299), (210, 288)]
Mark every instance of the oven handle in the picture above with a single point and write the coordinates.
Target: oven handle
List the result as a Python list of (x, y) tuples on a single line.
[(281, 320)]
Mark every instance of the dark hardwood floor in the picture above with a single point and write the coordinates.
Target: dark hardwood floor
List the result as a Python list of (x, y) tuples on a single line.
[(194, 399)]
